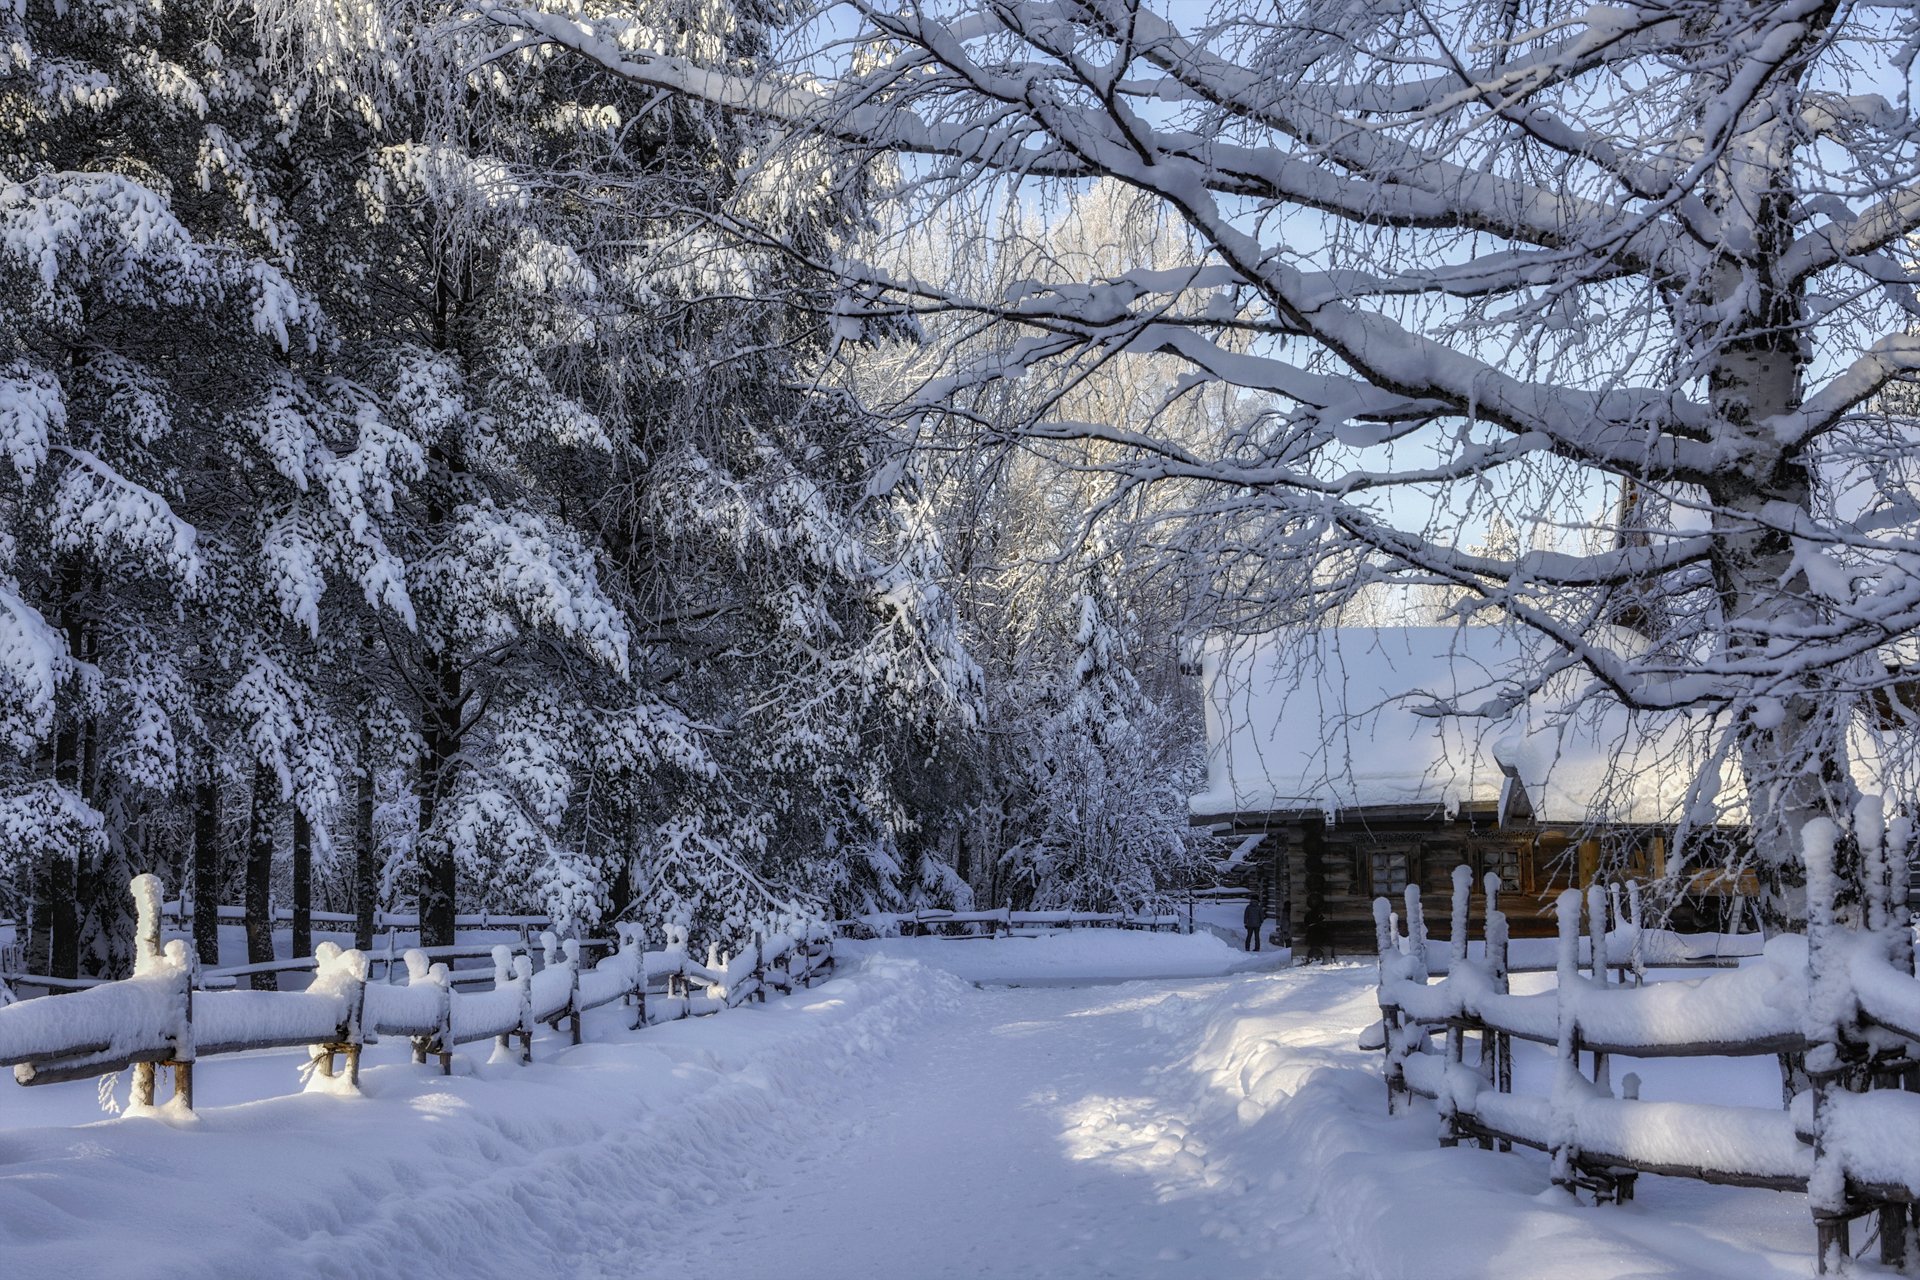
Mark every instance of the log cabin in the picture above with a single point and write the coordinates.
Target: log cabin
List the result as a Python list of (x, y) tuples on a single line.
[(1336, 783)]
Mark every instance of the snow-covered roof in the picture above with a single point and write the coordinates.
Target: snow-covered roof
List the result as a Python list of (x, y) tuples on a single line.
[(1332, 719)]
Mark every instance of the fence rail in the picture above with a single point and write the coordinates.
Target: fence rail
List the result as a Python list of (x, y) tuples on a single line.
[(162, 1016), (1845, 1001), (1000, 923)]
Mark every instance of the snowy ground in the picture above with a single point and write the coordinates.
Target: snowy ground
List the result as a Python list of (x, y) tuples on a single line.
[(897, 1121)]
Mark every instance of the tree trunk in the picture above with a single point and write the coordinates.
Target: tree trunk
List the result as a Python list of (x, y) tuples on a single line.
[(209, 878), (63, 918), (366, 872), (441, 729), (61, 885), (1792, 748), (302, 884), (259, 888)]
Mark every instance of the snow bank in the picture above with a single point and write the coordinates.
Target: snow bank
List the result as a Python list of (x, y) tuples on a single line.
[(1274, 1067), (1090, 955), (493, 1171)]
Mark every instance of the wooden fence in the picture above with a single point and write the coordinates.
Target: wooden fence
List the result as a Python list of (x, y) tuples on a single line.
[(162, 1017), (998, 924), (1844, 1001)]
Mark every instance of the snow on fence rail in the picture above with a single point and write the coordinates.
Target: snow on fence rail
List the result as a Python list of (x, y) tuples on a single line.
[(179, 913), (997, 924), (1844, 999), (160, 1017)]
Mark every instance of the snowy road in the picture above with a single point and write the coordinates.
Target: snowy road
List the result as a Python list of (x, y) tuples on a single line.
[(1022, 1136), (894, 1122)]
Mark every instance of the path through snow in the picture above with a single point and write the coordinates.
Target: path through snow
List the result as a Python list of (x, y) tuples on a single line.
[(1018, 1137), (894, 1122)]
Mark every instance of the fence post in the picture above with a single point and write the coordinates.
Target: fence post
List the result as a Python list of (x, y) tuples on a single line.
[(1393, 1070), (523, 977), (148, 959), (571, 949), (1566, 1083), (1833, 1055), (633, 953), (1597, 966), (1417, 932)]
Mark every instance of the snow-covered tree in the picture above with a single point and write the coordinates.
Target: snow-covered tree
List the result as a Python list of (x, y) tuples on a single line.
[(417, 488), (1104, 824), (1481, 257)]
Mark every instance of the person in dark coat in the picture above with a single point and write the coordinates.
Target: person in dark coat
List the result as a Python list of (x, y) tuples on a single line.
[(1255, 916)]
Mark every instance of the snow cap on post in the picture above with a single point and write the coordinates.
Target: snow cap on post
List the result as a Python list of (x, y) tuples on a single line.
[(1462, 893), (1383, 925), (1567, 958), (1817, 840), (1899, 834), (1416, 929), (147, 956), (1870, 829), (1597, 930)]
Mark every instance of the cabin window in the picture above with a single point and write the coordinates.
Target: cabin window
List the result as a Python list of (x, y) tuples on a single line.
[(1388, 872), (1503, 861)]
